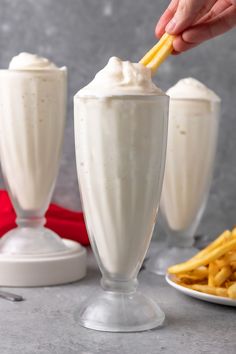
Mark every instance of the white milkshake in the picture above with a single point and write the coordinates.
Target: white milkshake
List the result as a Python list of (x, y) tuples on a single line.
[(192, 139), (191, 149), (32, 118), (120, 120), (120, 138)]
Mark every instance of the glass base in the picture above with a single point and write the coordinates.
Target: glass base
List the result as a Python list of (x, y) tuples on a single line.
[(120, 312), (166, 257), (31, 241)]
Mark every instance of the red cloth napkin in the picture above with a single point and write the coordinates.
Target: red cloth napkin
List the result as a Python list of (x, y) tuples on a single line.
[(66, 223)]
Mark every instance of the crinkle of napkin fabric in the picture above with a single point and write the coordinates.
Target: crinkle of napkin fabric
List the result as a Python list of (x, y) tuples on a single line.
[(66, 223)]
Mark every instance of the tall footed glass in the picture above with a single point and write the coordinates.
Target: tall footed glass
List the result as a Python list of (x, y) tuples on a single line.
[(191, 150), (120, 153), (32, 119)]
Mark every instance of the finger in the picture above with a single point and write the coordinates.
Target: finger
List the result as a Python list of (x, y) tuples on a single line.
[(186, 13), (184, 50), (218, 26), (206, 8), (216, 10), (180, 45), (165, 18), (175, 53)]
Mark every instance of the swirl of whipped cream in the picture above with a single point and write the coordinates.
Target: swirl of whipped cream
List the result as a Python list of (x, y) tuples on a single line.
[(27, 61), (190, 88), (121, 78)]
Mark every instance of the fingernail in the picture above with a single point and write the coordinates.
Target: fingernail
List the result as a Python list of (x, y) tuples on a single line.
[(170, 26)]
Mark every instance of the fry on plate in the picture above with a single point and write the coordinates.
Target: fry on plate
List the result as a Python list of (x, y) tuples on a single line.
[(213, 269)]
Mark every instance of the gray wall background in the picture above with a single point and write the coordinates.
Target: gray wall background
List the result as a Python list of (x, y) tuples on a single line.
[(83, 34)]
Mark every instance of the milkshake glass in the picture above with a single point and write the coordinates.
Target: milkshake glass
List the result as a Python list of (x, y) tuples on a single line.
[(32, 119), (191, 149), (120, 142)]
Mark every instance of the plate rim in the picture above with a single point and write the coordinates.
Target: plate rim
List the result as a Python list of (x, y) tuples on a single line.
[(198, 295)]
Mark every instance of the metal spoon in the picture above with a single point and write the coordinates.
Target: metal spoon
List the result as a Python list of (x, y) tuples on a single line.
[(10, 297)]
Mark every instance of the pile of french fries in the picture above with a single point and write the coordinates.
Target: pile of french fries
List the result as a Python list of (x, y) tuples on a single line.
[(212, 270)]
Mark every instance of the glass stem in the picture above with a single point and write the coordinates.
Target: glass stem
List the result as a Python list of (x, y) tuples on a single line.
[(125, 287), (176, 241), (31, 222)]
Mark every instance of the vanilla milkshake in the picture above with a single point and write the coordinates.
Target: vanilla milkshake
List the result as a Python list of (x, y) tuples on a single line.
[(191, 149), (32, 119), (120, 138)]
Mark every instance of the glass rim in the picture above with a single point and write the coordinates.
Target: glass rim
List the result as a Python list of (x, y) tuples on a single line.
[(62, 69), (195, 99), (124, 97)]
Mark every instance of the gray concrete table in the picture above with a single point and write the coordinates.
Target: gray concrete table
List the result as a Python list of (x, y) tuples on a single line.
[(45, 324)]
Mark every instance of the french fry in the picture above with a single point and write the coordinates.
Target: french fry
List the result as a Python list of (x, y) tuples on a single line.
[(233, 276), (230, 257), (222, 262), (210, 290), (232, 291), (148, 57), (161, 55), (189, 279), (157, 54), (200, 272), (233, 266), (228, 283), (212, 271), (195, 275), (206, 259), (222, 276), (225, 236)]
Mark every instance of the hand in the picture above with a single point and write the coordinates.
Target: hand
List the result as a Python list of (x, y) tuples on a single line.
[(195, 21)]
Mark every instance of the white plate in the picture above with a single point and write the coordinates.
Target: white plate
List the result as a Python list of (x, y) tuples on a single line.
[(201, 296)]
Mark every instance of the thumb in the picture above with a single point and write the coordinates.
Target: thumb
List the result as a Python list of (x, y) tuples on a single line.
[(187, 11)]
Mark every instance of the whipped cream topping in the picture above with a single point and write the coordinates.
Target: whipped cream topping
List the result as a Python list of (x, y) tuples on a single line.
[(190, 88), (121, 78), (27, 61)]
